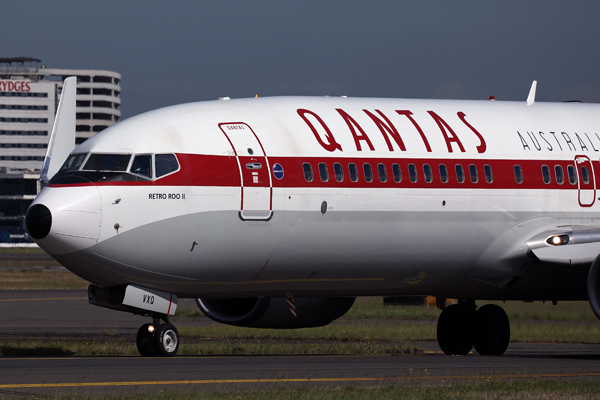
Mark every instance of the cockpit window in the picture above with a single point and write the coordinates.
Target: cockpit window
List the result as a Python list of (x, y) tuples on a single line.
[(142, 165), (107, 162), (73, 162), (165, 164)]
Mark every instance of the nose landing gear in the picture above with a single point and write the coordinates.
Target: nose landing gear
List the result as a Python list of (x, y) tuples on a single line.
[(158, 339), (460, 327)]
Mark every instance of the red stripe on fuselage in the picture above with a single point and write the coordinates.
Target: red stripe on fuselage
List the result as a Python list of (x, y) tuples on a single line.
[(211, 170)]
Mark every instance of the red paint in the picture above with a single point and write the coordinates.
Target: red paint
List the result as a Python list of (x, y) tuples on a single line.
[(326, 139), (482, 146), (15, 86), (408, 115), (289, 299), (590, 187), (357, 137), (387, 128), (331, 144), (502, 170), (211, 170), (196, 170), (449, 135), (251, 177)]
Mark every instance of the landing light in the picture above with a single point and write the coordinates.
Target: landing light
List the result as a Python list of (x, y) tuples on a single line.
[(150, 328), (558, 240)]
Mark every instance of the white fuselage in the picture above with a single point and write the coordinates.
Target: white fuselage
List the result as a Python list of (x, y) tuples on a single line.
[(240, 216)]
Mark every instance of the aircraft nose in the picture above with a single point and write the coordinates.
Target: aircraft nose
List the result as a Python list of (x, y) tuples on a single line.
[(38, 221), (66, 220)]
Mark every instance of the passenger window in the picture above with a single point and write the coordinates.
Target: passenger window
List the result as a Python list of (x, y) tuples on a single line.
[(338, 171), (368, 172), (165, 164), (560, 175), (443, 173), (546, 174), (142, 165), (428, 173), (412, 173), (572, 174), (518, 174), (323, 173), (382, 172), (487, 171), (585, 174), (460, 173), (397, 173), (473, 173), (107, 162), (308, 174), (353, 172)]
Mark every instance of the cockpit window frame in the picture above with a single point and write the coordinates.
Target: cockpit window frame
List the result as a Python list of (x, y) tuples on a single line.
[(87, 155), (154, 165)]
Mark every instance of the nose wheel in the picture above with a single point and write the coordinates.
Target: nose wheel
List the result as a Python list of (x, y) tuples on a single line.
[(157, 340)]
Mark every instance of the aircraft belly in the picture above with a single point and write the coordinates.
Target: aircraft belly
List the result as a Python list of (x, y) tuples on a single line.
[(380, 253), (305, 253), (204, 251)]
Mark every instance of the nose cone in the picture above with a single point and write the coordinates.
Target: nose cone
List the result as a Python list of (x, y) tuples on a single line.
[(66, 220), (38, 221)]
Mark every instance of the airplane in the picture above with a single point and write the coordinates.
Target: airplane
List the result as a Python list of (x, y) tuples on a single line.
[(278, 212)]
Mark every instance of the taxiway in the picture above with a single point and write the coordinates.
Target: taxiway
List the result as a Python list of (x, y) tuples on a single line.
[(67, 314)]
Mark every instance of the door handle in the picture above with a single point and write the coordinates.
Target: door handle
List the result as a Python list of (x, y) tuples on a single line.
[(253, 165)]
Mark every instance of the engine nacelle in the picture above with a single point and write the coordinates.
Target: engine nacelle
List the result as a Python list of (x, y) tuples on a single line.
[(274, 312), (593, 286)]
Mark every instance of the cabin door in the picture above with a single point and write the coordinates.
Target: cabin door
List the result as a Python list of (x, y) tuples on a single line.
[(256, 185), (586, 181)]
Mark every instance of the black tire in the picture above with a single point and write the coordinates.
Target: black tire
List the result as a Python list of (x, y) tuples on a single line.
[(145, 343), (492, 330), (455, 330), (166, 340)]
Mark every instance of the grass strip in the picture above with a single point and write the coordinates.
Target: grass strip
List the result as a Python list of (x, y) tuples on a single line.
[(21, 250), (555, 333), (532, 389), (393, 331), (45, 279), (336, 332), (336, 339), (373, 308), (206, 347)]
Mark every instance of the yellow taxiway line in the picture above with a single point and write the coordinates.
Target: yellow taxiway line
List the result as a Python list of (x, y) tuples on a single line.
[(310, 380)]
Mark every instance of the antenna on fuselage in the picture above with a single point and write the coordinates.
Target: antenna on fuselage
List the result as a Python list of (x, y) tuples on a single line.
[(531, 97), (62, 138)]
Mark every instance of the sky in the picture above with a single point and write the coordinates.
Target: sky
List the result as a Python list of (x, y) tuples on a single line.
[(182, 51)]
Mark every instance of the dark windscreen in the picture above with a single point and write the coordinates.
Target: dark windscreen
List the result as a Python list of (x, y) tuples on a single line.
[(73, 162), (165, 164), (142, 165), (107, 162)]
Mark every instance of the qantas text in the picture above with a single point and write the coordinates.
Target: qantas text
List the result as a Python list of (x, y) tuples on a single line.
[(327, 140)]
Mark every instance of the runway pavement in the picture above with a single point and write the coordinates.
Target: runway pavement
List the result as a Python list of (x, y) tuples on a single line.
[(66, 313)]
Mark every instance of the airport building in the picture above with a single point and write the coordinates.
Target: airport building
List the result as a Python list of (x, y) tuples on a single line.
[(29, 95)]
